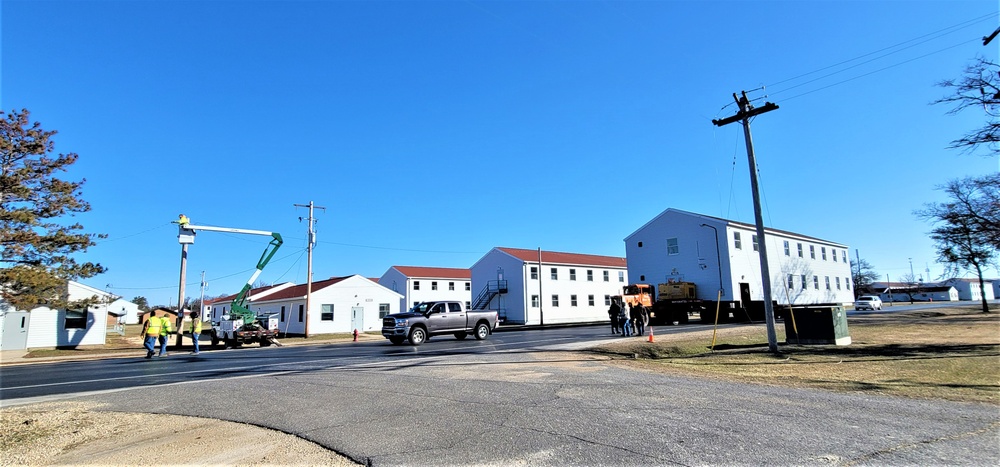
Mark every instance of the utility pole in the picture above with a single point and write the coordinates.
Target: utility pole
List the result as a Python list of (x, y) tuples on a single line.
[(309, 261), (180, 295), (746, 112), (201, 301)]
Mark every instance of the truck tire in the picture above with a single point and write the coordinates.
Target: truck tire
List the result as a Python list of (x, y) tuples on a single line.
[(215, 339), (418, 336), (265, 342), (482, 331), (231, 343), (397, 340), (461, 335)]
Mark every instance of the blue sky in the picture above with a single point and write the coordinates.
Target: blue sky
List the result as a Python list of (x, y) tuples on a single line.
[(434, 131)]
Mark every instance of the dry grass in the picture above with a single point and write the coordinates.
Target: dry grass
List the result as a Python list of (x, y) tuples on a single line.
[(949, 353)]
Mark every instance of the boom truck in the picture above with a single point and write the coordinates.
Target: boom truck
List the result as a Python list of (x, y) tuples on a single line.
[(240, 325)]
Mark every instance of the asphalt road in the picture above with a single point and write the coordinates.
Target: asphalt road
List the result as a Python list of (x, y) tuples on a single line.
[(520, 398)]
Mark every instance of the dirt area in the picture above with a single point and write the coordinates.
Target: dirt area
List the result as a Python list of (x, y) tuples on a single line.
[(74, 433)]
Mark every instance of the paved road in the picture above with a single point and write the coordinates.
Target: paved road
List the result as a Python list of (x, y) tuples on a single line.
[(521, 398)]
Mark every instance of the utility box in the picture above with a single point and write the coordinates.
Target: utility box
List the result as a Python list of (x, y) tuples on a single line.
[(817, 325)]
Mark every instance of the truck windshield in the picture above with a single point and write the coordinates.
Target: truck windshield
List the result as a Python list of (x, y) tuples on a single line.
[(421, 308)]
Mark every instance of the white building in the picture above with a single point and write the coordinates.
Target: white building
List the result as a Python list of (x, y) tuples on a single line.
[(996, 288), (45, 327), (719, 254), (968, 289), (338, 304), (547, 287), (424, 284)]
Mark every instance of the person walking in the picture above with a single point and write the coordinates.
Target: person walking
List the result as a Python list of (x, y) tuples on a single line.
[(165, 331), (151, 332), (613, 314), (195, 330)]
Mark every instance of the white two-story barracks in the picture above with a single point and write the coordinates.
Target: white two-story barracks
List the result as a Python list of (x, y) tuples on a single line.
[(720, 254), (547, 287), (423, 284)]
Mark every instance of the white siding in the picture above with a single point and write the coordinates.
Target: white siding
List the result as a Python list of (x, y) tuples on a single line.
[(394, 280), (355, 291), (517, 302), (47, 329), (700, 260)]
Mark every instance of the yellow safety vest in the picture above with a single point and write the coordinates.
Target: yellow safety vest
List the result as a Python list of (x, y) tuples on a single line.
[(165, 330), (153, 329), (196, 325)]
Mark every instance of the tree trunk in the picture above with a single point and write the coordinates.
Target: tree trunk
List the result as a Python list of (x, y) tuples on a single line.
[(982, 289)]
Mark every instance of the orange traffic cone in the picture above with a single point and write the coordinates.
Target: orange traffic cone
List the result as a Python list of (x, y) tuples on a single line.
[(650, 334)]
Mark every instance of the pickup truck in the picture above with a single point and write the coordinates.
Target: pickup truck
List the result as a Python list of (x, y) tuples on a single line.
[(428, 319)]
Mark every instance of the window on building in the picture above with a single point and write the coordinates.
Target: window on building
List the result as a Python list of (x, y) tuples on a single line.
[(847, 283), (572, 300), (607, 276), (822, 252), (833, 253), (554, 273), (434, 285), (416, 285), (827, 282), (282, 314), (800, 249), (590, 300), (812, 251), (640, 244), (590, 275), (451, 286), (468, 305), (572, 274), (804, 283), (75, 319), (383, 310), (737, 242), (534, 272), (838, 283), (788, 249), (534, 301), (621, 276), (843, 255), (327, 313), (607, 300), (555, 300), (642, 277), (302, 312), (791, 283), (415, 303), (468, 286), (816, 282), (672, 248), (756, 246)]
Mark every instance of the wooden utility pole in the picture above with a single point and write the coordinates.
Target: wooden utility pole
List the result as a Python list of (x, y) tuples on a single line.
[(180, 296), (746, 112), (309, 261)]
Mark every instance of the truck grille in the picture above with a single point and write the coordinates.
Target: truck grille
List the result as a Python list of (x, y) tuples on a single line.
[(388, 322)]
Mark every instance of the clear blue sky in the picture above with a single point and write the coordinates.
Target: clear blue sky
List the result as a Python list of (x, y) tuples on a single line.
[(434, 131)]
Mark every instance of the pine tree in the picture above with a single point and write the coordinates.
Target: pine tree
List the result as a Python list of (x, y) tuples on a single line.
[(36, 243)]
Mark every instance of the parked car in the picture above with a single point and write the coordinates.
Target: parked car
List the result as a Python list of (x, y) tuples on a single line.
[(868, 302)]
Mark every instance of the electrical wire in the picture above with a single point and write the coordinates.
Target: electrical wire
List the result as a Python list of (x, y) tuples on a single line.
[(99, 242)]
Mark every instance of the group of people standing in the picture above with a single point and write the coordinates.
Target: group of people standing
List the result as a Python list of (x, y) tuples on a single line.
[(158, 328), (628, 319)]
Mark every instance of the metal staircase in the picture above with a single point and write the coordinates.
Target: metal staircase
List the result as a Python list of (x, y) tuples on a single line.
[(492, 289)]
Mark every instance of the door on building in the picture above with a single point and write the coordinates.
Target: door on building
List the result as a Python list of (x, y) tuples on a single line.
[(15, 330), (357, 318), (745, 294)]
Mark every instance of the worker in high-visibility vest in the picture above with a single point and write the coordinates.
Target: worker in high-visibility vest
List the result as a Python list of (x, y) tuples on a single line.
[(165, 330), (195, 330), (151, 332)]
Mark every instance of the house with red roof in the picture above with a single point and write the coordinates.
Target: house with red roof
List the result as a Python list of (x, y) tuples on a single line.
[(547, 287), (423, 284), (337, 304)]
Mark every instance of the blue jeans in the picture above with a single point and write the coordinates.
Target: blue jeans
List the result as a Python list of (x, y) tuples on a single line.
[(194, 340), (150, 344), (627, 327), (163, 345)]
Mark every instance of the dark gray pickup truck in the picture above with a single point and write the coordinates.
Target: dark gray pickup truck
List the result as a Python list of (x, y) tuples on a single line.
[(428, 319)]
